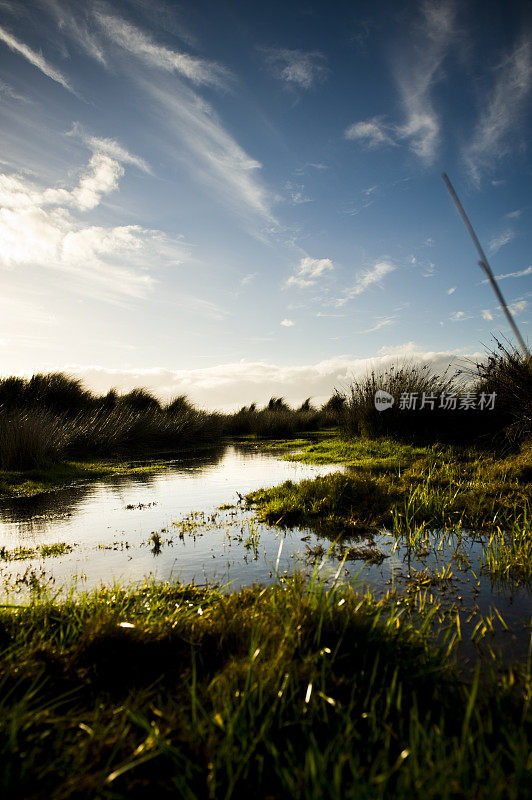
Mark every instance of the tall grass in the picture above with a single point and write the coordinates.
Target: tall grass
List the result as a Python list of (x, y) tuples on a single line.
[(293, 691), (508, 373), (505, 374), (51, 417), (277, 419)]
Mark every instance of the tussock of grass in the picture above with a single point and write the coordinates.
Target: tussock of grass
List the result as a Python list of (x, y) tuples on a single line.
[(294, 691), (332, 499), (504, 373), (405, 488)]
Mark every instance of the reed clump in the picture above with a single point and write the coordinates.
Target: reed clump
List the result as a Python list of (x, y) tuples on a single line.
[(48, 418), (487, 403), (278, 420)]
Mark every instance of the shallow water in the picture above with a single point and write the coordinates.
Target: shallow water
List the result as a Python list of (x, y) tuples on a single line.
[(111, 525)]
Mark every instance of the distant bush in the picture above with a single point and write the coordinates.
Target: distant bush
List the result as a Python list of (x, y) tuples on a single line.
[(49, 417), (277, 419)]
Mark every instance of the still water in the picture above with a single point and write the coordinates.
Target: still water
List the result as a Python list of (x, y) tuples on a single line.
[(169, 525)]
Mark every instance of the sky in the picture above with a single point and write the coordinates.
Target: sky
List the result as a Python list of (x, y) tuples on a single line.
[(235, 200)]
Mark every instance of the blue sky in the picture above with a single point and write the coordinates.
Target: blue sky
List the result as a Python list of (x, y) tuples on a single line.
[(236, 199)]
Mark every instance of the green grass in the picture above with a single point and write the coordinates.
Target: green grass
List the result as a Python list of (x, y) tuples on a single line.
[(293, 691), (375, 455), (414, 491), (36, 481), (42, 551)]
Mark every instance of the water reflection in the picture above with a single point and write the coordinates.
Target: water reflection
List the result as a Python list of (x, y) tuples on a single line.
[(38, 510), (168, 525)]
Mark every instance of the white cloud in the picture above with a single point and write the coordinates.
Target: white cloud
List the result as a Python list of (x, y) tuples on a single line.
[(9, 92), (36, 59), (382, 322), (452, 290), (215, 158), (366, 279), (139, 44), (501, 240), (517, 307), (309, 271), (287, 323), (45, 229), (304, 69), (111, 148), (417, 70), (372, 132), (503, 111), (232, 385), (458, 316), (519, 274), (487, 315), (209, 151)]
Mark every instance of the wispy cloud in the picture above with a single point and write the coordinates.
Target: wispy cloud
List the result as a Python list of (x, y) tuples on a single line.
[(366, 279), (503, 112), (517, 307), (297, 67), (309, 271), (371, 132), (417, 70), (139, 44), (487, 315), (36, 59), (459, 316), (8, 91), (501, 240), (451, 290), (213, 155), (288, 323), (297, 193), (108, 147), (519, 274), (514, 214), (382, 322), (249, 278)]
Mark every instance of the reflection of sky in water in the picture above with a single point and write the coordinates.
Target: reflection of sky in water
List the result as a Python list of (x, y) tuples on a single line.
[(112, 541)]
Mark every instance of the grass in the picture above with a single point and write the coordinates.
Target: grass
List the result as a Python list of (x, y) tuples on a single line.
[(294, 691), (42, 551), (51, 418), (26, 483), (376, 455), (505, 374), (414, 491)]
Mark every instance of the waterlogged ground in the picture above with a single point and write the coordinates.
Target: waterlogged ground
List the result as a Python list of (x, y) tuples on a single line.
[(188, 522), (165, 524)]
